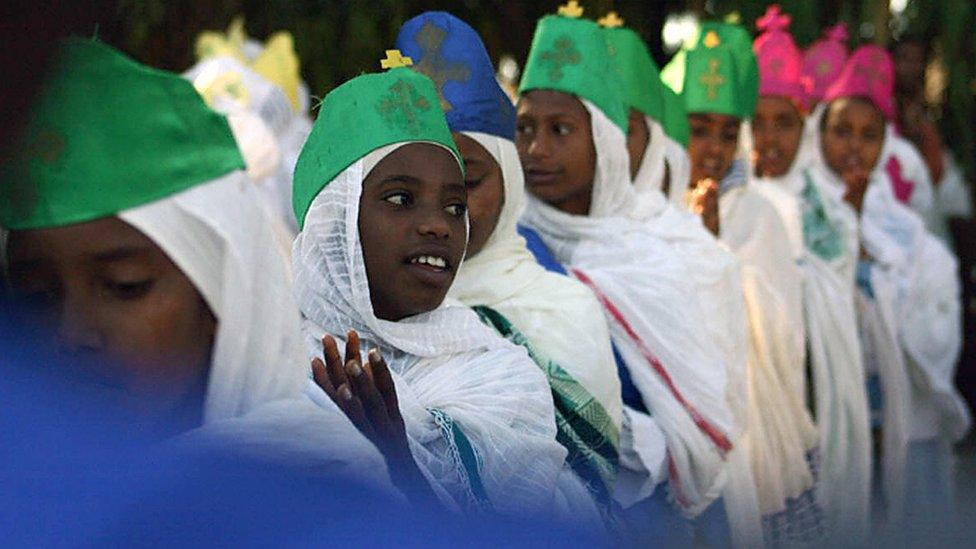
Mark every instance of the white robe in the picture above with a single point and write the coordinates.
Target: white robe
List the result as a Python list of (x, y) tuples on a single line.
[(444, 362), (648, 292), (910, 327), (558, 315)]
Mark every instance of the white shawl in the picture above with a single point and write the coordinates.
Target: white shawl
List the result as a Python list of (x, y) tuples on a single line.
[(653, 291), (444, 359)]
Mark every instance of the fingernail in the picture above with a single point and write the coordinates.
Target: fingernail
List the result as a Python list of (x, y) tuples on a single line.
[(354, 368), (374, 355), (345, 393)]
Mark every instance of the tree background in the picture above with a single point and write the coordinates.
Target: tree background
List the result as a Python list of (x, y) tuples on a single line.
[(338, 39)]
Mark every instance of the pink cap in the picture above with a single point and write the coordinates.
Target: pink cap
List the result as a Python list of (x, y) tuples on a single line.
[(824, 60), (779, 59), (870, 74)]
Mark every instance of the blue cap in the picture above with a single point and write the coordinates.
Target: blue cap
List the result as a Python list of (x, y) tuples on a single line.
[(450, 52)]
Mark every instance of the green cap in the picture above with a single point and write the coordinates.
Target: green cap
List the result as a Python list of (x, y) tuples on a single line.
[(718, 75), (571, 55), (362, 115), (107, 134), (675, 121), (638, 71)]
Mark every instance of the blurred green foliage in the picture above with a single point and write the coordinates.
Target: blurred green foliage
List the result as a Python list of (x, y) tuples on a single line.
[(338, 39)]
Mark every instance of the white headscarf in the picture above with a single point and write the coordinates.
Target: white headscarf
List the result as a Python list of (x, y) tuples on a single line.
[(444, 359), (652, 289), (216, 233), (663, 156)]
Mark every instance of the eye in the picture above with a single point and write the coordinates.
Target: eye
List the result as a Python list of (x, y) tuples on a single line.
[(562, 129), (127, 291), (457, 210), (524, 129), (398, 198)]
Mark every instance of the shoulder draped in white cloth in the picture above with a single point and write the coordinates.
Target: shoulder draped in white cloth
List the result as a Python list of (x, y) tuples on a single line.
[(256, 401)]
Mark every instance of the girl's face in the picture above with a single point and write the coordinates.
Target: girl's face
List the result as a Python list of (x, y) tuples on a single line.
[(638, 137), (777, 129), (852, 135), (712, 145), (555, 143), (412, 228), (486, 191), (107, 293)]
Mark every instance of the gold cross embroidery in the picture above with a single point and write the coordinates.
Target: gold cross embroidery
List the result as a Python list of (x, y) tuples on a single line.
[(712, 79), (400, 107), (571, 9), (611, 20), (395, 59), (564, 53), (433, 64)]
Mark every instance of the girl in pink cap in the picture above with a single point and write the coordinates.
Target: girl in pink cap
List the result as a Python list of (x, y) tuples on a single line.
[(907, 298), (780, 156)]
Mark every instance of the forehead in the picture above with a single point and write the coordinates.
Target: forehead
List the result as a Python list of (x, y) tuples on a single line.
[(774, 105), (857, 110), (102, 238), (551, 103), (423, 161), (713, 119)]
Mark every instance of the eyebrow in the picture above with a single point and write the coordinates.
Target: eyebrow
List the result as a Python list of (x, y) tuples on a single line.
[(119, 254), (400, 178), (457, 187)]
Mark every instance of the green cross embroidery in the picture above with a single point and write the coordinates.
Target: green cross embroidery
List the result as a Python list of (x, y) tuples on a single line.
[(563, 53), (712, 79), (400, 106), (430, 37)]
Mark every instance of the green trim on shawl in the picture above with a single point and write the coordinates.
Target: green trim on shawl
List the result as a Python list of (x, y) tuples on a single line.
[(820, 236), (107, 134), (583, 426), (362, 115), (466, 460)]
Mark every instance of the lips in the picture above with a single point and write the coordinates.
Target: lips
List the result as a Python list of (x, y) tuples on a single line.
[(431, 267), (537, 177)]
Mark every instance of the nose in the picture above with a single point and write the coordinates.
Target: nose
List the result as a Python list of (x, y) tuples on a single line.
[(540, 145), (77, 331), (434, 224)]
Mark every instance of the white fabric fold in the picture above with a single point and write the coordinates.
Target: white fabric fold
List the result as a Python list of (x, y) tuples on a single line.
[(560, 316), (256, 401)]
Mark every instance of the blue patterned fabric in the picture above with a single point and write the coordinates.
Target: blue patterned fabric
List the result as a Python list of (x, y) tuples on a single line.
[(735, 177), (451, 54), (864, 278), (543, 256)]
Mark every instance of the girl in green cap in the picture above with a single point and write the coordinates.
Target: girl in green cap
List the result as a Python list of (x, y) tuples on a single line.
[(718, 79), (684, 367), (141, 239), (379, 193)]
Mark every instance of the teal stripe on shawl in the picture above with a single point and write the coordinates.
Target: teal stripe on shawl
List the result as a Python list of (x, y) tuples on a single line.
[(584, 427), (820, 236), (466, 460)]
